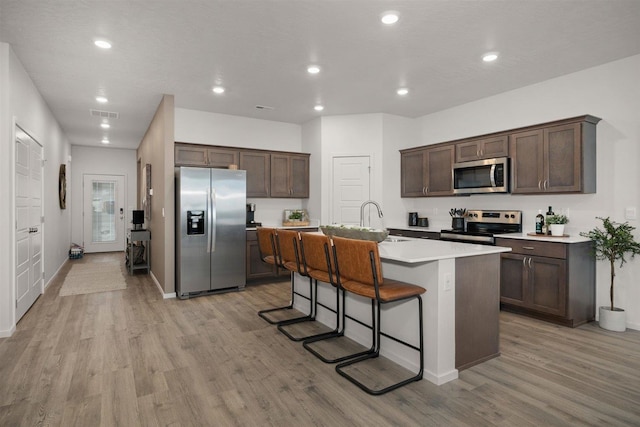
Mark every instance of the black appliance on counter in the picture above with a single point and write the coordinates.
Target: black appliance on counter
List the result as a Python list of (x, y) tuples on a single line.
[(481, 226), (251, 211)]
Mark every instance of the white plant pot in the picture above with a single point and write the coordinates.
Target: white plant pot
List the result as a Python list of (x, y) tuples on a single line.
[(615, 320), (557, 229)]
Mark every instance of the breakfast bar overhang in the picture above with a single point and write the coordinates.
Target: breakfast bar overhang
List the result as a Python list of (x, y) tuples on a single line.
[(461, 305)]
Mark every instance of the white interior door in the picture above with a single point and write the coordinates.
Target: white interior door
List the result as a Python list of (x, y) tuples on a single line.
[(103, 213), (29, 280), (351, 177)]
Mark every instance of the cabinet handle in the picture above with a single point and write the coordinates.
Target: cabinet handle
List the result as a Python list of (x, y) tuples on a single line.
[(529, 263), (477, 153), (530, 248), (539, 185), (524, 262), (544, 185)]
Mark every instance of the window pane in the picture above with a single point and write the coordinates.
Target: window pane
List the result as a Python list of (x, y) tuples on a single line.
[(103, 215)]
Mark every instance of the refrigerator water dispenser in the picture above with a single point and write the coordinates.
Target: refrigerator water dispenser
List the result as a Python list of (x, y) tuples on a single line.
[(195, 222)]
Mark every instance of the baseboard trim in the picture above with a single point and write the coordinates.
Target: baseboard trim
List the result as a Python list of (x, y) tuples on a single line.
[(164, 295), (7, 333), (46, 285)]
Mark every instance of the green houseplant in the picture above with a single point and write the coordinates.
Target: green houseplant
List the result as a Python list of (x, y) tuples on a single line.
[(556, 224), (613, 244)]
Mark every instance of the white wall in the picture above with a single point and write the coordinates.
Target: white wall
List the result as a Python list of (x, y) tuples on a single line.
[(100, 161), (20, 100), (611, 92), (200, 127), (351, 135)]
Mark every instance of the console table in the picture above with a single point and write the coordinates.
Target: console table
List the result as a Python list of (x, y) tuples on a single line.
[(137, 238)]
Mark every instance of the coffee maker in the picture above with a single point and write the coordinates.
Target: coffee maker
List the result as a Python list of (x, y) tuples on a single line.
[(251, 210)]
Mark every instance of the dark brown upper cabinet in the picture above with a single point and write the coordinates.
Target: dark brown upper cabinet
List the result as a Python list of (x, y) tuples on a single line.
[(427, 172), (482, 148), (289, 175), (202, 155), (269, 173), (558, 157), (258, 167)]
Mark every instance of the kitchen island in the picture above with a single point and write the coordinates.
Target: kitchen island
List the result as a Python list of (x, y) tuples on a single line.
[(461, 305)]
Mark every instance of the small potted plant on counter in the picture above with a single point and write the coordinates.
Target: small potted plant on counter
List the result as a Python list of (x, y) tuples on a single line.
[(613, 244), (556, 224)]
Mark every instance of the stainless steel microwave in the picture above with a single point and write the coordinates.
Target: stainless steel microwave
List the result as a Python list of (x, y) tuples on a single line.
[(481, 176)]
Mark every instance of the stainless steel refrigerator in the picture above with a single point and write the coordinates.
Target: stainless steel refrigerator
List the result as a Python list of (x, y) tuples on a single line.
[(210, 230)]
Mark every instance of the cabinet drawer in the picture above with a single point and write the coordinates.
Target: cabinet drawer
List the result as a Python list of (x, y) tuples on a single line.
[(252, 236), (534, 248)]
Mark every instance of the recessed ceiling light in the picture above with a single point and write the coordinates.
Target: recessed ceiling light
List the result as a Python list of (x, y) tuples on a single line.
[(105, 141), (105, 125), (490, 56), (102, 99), (313, 69), (218, 89), (402, 91), (390, 17), (102, 44), (318, 107)]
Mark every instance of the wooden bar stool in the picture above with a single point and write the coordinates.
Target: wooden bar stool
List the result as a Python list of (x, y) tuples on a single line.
[(267, 243), (359, 271)]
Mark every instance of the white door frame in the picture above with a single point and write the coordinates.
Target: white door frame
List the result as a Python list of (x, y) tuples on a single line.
[(119, 212)]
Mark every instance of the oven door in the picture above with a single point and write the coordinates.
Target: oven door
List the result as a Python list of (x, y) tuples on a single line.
[(481, 176)]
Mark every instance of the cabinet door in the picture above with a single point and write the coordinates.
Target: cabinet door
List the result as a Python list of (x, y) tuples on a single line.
[(495, 147), (280, 175), (222, 158), (440, 171), (562, 158), (258, 167), (527, 154), (485, 148), (299, 176), (412, 171), (547, 285), (256, 268), (512, 279), (190, 155)]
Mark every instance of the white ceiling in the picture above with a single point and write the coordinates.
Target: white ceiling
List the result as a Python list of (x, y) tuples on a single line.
[(259, 50)]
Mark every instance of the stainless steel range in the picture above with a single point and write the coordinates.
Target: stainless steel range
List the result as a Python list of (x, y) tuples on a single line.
[(481, 226)]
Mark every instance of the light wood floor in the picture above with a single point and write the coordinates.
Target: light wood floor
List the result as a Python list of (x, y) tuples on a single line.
[(131, 358)]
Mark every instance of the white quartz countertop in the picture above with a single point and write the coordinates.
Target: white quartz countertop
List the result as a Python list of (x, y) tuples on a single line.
[(572, 238), (409, 250)]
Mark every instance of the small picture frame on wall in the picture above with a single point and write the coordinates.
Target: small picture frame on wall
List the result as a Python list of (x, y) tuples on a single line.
[(62, 186)]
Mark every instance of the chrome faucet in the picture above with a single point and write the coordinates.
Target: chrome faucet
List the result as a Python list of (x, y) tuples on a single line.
[(362, 211)]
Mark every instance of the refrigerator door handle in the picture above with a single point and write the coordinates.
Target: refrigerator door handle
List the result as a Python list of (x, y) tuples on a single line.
[(214, 220), (208, 221)]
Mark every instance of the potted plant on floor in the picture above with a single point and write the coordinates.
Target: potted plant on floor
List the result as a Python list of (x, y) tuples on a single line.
[(613, 244), (556, 224)]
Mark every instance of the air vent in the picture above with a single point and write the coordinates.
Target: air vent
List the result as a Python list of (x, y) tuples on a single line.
[(264, 107), (104, 114)]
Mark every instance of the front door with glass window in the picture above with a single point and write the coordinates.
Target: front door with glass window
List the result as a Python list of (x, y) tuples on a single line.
[(104, 213)]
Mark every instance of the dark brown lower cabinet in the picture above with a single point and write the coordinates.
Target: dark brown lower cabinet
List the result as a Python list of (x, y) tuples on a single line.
[(547, 280), (256, 268)]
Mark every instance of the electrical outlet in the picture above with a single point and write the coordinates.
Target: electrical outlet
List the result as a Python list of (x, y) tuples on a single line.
[(630, 213)]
